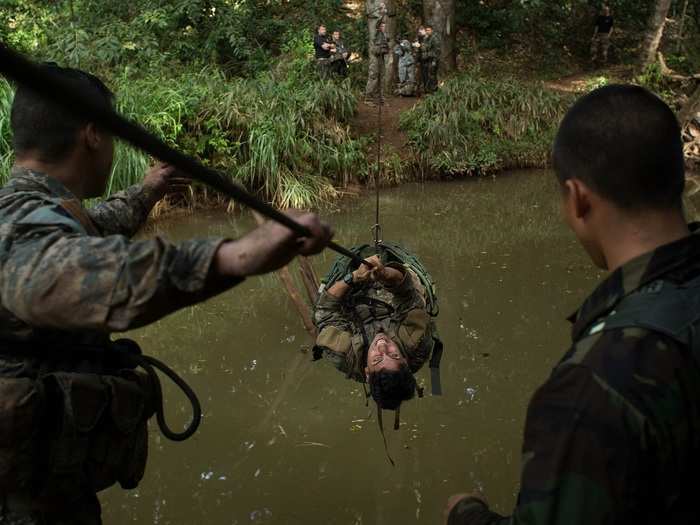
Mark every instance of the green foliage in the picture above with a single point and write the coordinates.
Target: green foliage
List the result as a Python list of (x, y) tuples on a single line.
[(555, 28), (6, 156), (475, 125), (652, 79), (282, 136)]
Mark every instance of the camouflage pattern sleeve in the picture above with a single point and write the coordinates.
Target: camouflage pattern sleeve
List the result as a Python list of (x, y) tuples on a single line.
[(329, 312), (407, 296), (123, 213), (55, 279)]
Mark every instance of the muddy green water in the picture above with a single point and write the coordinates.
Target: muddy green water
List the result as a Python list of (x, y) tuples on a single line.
[(288, 441)]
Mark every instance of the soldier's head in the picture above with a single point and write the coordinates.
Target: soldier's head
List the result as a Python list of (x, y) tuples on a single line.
[(618, 156), (421, 31), (387, 373), (322, 30), (382, 27), (428, 30), (336, 35), (43, 132), (605, 10)]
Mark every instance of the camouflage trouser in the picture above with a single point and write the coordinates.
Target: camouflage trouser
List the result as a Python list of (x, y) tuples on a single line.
[(430, 79), (602, 41), (407, 80), (22, 510), (324, 66)]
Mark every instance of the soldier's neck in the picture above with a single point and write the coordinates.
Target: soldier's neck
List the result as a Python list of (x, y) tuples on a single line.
[(629, 239), (69, 172)]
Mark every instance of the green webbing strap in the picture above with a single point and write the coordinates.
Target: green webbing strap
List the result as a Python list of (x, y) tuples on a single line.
[(435, 382)]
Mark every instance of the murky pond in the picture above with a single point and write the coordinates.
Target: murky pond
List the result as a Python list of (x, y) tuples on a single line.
[(287, 441)]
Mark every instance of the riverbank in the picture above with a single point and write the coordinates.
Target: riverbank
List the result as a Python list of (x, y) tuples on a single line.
[(297, 140)]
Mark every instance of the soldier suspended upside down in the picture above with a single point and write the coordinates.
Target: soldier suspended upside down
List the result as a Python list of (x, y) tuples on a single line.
[(375, 327)]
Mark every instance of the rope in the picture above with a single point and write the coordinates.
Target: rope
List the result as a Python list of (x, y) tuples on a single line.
[(23, 71), (148, 363), (377, 228)]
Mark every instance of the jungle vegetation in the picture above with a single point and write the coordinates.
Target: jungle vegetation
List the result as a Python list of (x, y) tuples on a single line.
[(233, 81)]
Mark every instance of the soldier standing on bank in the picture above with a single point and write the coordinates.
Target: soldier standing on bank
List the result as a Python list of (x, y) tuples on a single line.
[(407, 69), (339, 56), (379, 48), (73, 410), (322, 50), (430, 60), (612, 437), (601, 35), (418, 46)]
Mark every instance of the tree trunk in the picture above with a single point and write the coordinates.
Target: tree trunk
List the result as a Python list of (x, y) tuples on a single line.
[(389, 70), (441, 15), (655, 31)]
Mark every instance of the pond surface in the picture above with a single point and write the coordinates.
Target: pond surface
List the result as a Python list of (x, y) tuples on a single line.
[(288, 441)]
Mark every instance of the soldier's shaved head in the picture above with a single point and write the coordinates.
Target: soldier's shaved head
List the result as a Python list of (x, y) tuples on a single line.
[(624, 143), (46, 130)]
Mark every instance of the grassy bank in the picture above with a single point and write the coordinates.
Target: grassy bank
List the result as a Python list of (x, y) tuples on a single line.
[(283, 134), (477, 125)]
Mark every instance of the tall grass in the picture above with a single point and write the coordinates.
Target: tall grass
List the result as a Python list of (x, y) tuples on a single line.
[(284, 137), (475, 125), (6, 94)]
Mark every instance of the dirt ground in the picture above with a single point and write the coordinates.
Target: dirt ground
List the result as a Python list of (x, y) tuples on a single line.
[(366, 122)]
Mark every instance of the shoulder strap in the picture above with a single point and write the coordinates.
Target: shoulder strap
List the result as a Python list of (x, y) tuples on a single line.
[(75, 208), (661, 306)]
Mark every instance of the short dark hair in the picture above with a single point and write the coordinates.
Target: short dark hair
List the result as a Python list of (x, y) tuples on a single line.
[(390, 388), (41, 126), (625, 143)]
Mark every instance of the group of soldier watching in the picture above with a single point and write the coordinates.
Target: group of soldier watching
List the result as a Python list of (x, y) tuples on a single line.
[(330, 52), (418, 61)]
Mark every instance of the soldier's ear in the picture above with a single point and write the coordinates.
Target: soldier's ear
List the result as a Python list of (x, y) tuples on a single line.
[(93, 136), (577, 196)]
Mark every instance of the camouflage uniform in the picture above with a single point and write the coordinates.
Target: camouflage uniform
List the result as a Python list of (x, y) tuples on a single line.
[(407, 69), (73, 415), (347, 325), (612, 436), (378, 51), (338, 62), (430, 56)]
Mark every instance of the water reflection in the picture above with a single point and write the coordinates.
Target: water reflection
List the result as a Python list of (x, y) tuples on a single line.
[(288, 441)]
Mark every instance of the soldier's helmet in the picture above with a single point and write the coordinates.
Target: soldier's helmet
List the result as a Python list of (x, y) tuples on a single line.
[(405, 45)]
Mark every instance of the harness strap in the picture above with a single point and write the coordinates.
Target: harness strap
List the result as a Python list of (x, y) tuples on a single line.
[(381, 429), (435, 358)]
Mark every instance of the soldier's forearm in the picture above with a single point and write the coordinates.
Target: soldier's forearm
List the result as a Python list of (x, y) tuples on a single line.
[(125, 212)]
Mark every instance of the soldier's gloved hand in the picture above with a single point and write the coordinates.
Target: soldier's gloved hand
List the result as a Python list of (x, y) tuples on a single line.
[(271, 246)]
